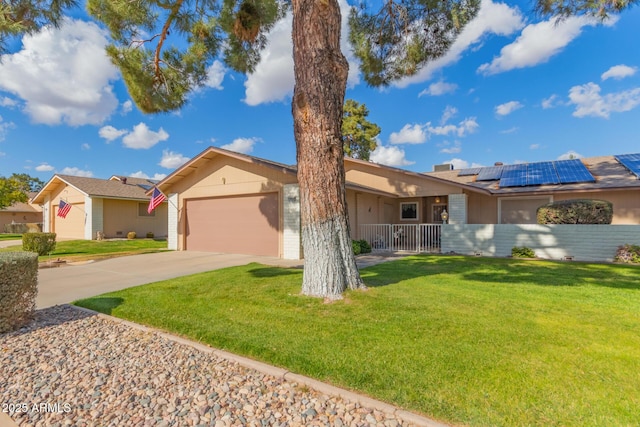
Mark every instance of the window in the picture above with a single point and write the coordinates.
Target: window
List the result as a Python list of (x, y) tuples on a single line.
[(142, 210), (409, 211)]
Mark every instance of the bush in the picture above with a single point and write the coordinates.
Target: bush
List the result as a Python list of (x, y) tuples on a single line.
[(131, 235), (523, 252), (628, 253), (42, 243), (576, 211), (150, 235), (355, 244), (18, 288), (365, 247)]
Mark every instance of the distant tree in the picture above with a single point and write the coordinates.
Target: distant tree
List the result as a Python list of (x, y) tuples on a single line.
[(12, 191), (359, 134), (30, 183), (163, 49), (566, 8)]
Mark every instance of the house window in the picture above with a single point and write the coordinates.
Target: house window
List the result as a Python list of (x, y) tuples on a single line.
[(142, 210), (409, 211)]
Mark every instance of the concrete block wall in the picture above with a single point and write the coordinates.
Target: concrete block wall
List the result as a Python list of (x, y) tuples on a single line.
[(172, 221), (292, 243), (580, 242), (457, 209)]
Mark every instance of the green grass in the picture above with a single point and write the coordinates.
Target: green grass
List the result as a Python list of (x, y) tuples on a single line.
[(466, 340), (78, 250), (10, 236)]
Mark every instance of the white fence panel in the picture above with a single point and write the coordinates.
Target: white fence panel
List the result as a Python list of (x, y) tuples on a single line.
[(402, 237)]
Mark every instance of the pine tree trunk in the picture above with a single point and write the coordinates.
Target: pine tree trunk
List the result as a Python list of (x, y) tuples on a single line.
[(321, 77)]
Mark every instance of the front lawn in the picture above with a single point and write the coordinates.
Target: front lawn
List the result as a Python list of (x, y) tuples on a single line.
[(79, 250), (466, 340)]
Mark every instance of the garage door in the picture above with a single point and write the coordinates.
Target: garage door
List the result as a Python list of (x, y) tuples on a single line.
[(241, 225)]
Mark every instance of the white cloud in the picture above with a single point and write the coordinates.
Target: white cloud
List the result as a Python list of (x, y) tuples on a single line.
[(510, 130), (127, 107), (171, 160), (4, 128), (448, 113), (390, 156), (110, 133), (85, 146), (458, 163), (63, 75), (8, 102), (44, 167), (550, 102), (439, 88), (538, 43), (215, 75), (2, 154), (241, 145), (492, 18), (465, 127), (142, 137), (76, 172), (409, 134), (534, 146), (619, 72), (155, 177), (570, 155), (589, 101), (452, 149), (508, 108), (273, 78)]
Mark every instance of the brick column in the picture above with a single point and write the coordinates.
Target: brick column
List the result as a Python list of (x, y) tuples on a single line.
[(457, 208)]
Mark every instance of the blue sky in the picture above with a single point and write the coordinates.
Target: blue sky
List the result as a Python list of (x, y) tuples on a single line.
[(513, 88)]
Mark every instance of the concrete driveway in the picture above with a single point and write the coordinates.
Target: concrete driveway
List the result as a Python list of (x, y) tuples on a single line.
[(64, 284)]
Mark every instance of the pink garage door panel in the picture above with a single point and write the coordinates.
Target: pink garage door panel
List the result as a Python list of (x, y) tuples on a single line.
[(241, 225)]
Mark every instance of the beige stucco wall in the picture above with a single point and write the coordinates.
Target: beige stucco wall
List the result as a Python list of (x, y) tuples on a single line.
[(72, 226), (367, 208), (227, 176), (8, 217), (396, 182), (122, 216), (481, 209)]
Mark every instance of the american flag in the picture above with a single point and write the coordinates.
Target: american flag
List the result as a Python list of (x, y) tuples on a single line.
[(63, 209), (156, 198)]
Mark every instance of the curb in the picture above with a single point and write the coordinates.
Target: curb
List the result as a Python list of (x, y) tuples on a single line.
[(406, 416)]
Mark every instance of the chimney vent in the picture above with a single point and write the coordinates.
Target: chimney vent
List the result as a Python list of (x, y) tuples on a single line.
[(498, 164), (442, 168)]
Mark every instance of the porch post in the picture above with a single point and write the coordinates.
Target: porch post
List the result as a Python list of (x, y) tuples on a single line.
[(172, 222), (291, 243), (457, 208)]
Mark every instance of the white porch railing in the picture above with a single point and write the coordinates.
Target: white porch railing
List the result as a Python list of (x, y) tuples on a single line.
[(402, 237)]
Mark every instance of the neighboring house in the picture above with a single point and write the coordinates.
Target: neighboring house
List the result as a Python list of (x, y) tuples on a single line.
[(222, 201), (511, 194), (113, 206), (21, 213)]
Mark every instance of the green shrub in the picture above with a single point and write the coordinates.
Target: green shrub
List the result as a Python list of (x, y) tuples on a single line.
[(523, 252), (628, 253), (150, 235), (355, 244), (131, 235), (18, 288), (42, 243), (576, 211), (365, 247)]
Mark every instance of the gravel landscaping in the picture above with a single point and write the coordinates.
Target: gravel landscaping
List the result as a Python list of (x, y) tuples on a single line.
[(71, 367)]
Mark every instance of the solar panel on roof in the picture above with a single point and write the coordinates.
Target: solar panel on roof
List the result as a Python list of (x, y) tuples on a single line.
[(572, 171), (514, 176), (631, 162), (491, 173), (541, 173), (469, 171)]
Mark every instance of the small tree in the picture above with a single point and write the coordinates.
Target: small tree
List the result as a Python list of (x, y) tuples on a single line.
[(359, 134)]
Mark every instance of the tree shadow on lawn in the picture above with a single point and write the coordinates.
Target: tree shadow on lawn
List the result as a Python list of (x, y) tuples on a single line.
[(504, 271), (264, 272)]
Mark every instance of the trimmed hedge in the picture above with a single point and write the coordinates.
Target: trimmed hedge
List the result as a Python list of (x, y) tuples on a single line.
[(42, 243), (576, 211), (18, 289)]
